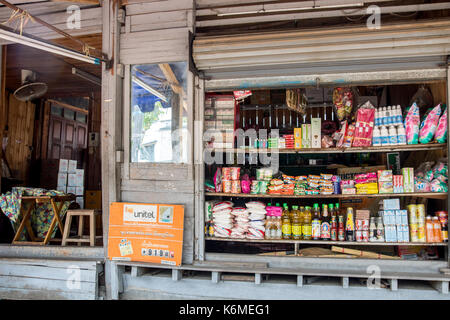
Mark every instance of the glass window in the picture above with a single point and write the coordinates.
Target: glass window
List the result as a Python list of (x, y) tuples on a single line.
[(159, 131)]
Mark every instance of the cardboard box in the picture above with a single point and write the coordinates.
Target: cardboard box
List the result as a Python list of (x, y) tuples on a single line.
[(80, 201), (297, 133), (71, 190), (391, 204), (62, 188), (62, 180), (408, 179), (71, 180), (306, 136), (314, 95), (316, 138), (72, 166), (79, 191), (93, 199), (297, 143), (63, 165)]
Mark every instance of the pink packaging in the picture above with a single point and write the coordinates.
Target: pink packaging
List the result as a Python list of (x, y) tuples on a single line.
[(226, 174), (429, 125), (274, 211), (412, 123), (364, 127), (245, 186), (441, 131)]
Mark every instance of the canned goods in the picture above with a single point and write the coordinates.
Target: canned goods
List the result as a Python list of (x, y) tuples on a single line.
[(365, 224), (359, 235), (421, 233), (359, 224), (413, 232), (365, 235), (226, 174), (235, 173), (421, 213), (412, 210), (235, 186), (226, 184)]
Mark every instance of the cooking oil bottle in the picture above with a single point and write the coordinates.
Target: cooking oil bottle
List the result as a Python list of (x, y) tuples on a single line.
[(306, 225), (286, 224), (296, 224)]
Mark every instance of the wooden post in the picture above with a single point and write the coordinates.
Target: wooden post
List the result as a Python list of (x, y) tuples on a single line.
[(111, 126)]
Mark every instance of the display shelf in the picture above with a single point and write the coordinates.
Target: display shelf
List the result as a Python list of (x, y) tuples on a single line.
[(416, 147), (342, 243), (432, 195)]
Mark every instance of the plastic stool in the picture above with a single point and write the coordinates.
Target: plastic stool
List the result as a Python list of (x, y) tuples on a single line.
[(81, 214)]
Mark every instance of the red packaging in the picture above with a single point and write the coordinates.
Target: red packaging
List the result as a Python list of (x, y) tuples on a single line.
[(359, 235), (226, 173), (365, 225), (364, 127), (235, 173), (226, 186), (236, 186), (349, 136), (342, 134), (365, 236)]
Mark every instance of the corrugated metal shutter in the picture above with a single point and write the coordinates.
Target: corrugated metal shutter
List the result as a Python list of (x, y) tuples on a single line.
[(412, 46)]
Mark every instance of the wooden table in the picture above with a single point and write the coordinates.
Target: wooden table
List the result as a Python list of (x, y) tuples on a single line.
[(56, 218)]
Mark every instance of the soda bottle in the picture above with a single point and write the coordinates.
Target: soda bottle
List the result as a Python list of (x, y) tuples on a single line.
[(315, 224), (286, 228), (325, 226), (334, 229), (429, 229), (372, 230), (380, 229), (307, 227), (296, 224), (350, 225), (437, 230), (341, 229)]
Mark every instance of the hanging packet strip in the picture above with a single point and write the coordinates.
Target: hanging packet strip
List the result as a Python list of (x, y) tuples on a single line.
[(364, 126)]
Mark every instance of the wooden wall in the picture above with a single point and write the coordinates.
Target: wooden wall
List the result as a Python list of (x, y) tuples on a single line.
[(48, 279), (158, 32), (20, 136)]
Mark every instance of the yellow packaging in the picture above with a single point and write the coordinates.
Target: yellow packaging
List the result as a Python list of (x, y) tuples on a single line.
[(297, 133), (421, 233), (414, 232), (297, 143)]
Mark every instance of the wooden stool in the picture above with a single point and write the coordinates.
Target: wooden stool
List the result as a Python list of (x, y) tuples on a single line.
[(81, 214)]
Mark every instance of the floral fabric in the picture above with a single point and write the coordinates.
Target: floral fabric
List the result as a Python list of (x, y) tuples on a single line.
[(41, 216)]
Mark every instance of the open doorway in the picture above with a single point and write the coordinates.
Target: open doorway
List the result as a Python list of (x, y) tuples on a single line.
[(50, 121)]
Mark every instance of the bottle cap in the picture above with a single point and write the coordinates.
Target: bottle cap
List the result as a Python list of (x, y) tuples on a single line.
[(295, 207)]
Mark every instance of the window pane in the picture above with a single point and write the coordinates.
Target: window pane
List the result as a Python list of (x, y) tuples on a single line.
[(159, 113)]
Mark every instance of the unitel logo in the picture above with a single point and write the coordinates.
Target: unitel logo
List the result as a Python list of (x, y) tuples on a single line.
[(140, 213)]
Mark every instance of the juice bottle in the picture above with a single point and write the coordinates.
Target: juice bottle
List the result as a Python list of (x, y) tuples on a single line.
[(429, 229), (437, 230), (286, 226), (296, 224), (315, 224), (306, 226)]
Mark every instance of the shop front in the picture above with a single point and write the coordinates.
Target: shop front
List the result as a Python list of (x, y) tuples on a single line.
[(274, 153)]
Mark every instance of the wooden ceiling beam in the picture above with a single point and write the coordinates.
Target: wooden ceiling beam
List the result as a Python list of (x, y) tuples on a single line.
[(174, 83)]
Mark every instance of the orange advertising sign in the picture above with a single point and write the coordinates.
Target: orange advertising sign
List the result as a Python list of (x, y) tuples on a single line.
[(146, 232)]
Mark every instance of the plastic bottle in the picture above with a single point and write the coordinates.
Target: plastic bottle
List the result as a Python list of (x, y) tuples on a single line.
[(388, 116), (268, 227), (315, 224), (429, 227), (399, 115), (376, 139), (296, 224), (286, 227), (278, 224), (325, 225), (384, 134), (334, 228), (307, 227), (383, 116), (437, 230), (392, 136), (377, 115), (401, 135), (350, 225), (341, 229)]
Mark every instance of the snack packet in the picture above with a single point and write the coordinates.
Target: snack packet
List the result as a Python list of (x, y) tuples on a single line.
[(441, 130), (412, 122)]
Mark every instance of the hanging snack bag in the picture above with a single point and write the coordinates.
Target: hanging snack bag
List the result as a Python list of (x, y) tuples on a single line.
[(349, 136), (429, 125), (218, 180), (343, 102), (412, 122), (441, 131), (364, 126)]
